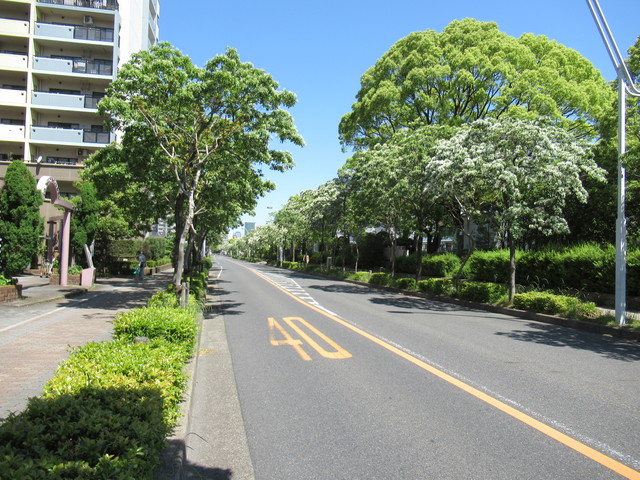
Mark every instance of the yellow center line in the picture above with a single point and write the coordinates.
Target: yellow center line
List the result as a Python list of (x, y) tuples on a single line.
[(551, 432)]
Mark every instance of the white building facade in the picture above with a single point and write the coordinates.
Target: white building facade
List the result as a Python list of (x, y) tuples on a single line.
[(57, 58)]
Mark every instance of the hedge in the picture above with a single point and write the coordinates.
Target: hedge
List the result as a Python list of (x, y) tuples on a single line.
[(436, 286), (110, 406), (481, 292), (545, 302)]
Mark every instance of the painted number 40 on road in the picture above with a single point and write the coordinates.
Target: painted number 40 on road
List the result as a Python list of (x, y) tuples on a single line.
[(305, 333)]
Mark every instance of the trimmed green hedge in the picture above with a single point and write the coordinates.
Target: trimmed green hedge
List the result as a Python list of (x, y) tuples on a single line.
[(110, 406), (406, 283), (436, 286), (445, 265), (544, 302), (482, 292), (383, 279)]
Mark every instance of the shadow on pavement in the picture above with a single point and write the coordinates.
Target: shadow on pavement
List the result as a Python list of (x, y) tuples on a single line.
[(557, 336)]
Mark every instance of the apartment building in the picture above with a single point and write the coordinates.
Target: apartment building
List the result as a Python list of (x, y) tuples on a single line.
[(57, 58)]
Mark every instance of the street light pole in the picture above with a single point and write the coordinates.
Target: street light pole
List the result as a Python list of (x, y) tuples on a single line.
[(625, 85)]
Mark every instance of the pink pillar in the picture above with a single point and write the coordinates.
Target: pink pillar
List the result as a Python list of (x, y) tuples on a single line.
[(64, 251)]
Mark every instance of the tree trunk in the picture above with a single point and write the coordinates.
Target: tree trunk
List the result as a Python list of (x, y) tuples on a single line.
[(512, 266), (418, 244), (466, 231), (188, 221)]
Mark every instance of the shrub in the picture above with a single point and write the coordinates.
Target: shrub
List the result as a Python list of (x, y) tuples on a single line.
[(407, 283), (436, 286), (171, 324), (359, 276), (481, 292), (5, 281), (445, 265), (489, 266), (291, 265), (75, 269), (406, 263), (384, 279), (544, 302)]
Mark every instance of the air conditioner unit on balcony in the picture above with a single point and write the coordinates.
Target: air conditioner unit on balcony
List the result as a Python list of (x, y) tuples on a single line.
[(88, 20)]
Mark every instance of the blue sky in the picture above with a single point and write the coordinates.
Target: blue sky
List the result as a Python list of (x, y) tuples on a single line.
[(319, 50)]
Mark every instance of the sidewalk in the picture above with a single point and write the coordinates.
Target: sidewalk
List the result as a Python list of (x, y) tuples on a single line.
[(39, 329)]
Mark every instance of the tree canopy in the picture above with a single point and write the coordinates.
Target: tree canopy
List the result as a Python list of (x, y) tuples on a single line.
[(193, 137), (20, 222), (516, 174), (469, 71)]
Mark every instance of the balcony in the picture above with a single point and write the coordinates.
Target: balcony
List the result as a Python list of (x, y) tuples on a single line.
[(11, 132), (73, 65), (74, 32), (13, 61), (99, 4), (14, 28), (64, 101), (13, 97), (69, 136)]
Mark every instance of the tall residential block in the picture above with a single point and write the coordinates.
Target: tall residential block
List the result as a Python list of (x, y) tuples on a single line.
[(57, 58)]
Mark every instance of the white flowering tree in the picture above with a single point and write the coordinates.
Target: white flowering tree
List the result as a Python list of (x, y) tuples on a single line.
[(517, 172)]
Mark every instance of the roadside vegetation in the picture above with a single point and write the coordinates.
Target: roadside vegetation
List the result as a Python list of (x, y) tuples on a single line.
[(109, 408), (565, 282)]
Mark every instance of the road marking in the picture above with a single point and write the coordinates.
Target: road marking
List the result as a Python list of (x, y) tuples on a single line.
[(51, 312), (339, 353), (288, 339), (551, 432)]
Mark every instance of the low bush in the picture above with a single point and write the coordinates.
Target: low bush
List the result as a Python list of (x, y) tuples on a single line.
[(171, 324), (359, 276), (110, 406), (482, 292), (383, 279), (291, 265), (5, 281), (436, 286), (544, 302), (406, 283), (444, 265)]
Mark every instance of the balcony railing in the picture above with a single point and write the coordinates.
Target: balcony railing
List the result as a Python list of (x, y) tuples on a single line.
[(96, 137), (69, 135), (76, 32), (100, 4), (64, 100), (74, 65), (93, 33)]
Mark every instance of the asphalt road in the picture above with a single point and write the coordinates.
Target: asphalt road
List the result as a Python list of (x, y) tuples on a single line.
[(341, 381)]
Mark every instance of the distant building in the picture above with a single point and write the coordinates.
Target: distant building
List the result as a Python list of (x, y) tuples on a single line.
[(249, 226)]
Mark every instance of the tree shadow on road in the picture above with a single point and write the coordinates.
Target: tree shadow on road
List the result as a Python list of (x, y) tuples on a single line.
[(557, 336)]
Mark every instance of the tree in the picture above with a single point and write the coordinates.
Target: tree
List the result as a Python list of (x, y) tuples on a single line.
[(20, 222), (198, 123), (84, 221), (516, 173), (472, 71)]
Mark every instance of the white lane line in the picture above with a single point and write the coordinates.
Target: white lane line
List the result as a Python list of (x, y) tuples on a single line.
[(51, 312)]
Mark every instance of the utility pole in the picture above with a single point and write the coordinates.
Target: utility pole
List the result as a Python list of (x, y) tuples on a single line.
[(625, 85)]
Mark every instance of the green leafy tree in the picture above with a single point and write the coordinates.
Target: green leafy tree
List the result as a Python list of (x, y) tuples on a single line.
[(516, 173), (20, 222), (197, 123), (84, 221), (469, 71)]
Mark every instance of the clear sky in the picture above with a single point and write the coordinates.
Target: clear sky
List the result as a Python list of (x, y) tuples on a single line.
[(319, 50)]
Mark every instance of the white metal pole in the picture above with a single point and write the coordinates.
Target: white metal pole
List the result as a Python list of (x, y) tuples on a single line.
[(621, 222)]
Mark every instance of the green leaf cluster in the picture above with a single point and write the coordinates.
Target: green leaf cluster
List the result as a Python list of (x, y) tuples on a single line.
[(20, 222), (551, 304)]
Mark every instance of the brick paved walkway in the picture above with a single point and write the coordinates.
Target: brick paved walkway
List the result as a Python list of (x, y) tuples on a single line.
[(39, 340)]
